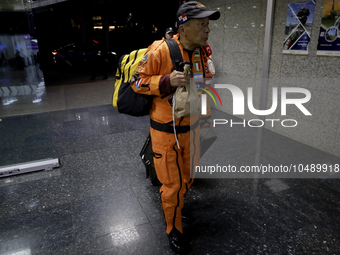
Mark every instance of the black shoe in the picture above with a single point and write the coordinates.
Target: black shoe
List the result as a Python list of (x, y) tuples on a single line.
[(178, 243)]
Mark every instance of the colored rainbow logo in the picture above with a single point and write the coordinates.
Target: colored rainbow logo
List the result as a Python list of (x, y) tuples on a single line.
[(211, 95)]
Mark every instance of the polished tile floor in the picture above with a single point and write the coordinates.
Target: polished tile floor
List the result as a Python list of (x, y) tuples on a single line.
[(99, 201)]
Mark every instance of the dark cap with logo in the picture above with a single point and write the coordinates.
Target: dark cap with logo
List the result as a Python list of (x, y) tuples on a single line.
[(194, 10), (169, 30)]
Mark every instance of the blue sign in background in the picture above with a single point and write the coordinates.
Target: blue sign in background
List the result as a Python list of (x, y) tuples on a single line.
[(326, 45)]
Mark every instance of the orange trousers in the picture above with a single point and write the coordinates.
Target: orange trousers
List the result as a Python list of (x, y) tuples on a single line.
[(173, 167)]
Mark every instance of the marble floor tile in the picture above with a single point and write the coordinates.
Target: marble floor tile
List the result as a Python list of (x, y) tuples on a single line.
[(102, 215), (99, 201), (139, 239)]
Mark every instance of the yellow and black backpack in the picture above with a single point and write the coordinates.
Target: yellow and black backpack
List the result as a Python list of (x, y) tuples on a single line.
[(125, 99)]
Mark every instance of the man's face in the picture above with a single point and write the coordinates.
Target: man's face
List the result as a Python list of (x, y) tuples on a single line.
[(197, 31), (169, 35)]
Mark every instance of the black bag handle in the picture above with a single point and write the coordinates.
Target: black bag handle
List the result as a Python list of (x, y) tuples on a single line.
[(175, 53)]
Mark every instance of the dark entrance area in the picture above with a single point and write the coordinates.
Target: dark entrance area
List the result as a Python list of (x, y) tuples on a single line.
[(83, 39)]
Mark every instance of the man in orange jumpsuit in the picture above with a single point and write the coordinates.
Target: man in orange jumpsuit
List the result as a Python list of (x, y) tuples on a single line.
[(155, 75)]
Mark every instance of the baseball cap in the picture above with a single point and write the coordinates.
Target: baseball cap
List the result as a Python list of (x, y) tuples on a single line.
[(194, 10), (169, 30)]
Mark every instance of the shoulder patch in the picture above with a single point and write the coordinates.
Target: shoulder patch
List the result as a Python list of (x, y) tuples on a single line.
[(140, 67), (211, 66), (197, 53), (145, 58), (138, 83)]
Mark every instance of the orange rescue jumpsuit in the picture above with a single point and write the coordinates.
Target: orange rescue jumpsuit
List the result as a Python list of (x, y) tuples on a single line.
[(171, 163)]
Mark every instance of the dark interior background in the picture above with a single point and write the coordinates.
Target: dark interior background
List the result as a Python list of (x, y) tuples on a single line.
[(137, 24)]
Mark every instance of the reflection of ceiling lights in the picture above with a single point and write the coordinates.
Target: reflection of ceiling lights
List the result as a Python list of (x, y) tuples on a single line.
[(96, 18), (124, 237), (6, 101), (105, 121), (24, 252), (36, 101), (111, 28)]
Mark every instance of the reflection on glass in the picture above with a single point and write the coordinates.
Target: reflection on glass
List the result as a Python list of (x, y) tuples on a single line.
[(15, 5), (20, 72)]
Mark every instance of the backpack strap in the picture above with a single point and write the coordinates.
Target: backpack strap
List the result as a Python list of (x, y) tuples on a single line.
[(175, 53), (119, 67)]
